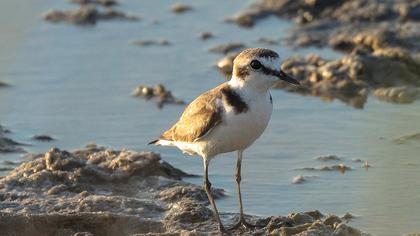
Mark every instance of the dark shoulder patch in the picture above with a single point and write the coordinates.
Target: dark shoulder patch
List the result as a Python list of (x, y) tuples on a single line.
[(234, 100), (271, 98)]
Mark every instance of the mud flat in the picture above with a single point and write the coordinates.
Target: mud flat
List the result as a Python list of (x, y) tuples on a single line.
[(99, 191), (379, 40)]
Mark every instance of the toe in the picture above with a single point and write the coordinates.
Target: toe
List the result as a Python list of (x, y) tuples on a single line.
[(248, 225), (235, 226)]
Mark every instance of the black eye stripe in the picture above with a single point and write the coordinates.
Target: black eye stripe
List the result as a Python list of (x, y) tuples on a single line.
[(269, 71), (256, 65)]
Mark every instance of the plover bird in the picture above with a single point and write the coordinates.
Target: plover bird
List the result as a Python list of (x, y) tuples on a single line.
[(229, 117)]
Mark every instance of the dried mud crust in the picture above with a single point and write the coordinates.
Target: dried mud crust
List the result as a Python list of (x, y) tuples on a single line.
[(97, 191)]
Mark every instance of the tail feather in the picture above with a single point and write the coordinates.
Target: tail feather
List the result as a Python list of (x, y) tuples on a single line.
[(153, 142), (162, 142)]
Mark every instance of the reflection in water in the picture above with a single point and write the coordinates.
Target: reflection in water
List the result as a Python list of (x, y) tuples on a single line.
[(74, 84)]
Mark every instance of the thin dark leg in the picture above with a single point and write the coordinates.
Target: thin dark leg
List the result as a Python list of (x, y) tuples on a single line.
[(207, 187), (238, 183), (242, 221)]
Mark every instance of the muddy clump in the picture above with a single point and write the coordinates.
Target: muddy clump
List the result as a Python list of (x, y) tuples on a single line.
[(400, 94), (206, 35), (3, 130), (8, 145), (340, 167), (373, 38), (300, 179), (151, 42), (158, 93), (336, 79), (390, 71), (350, 78), (414, 137), (43, 138), (104, 3), (180, 8), (328, 158), (268, 41), (86, 15), (401, 34), (110, 192), (101, 191), (312, 223), (225, 64), (228, 48), (3, 84)]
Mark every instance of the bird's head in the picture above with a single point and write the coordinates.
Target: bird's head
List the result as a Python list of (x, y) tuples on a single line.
[(259, 68)]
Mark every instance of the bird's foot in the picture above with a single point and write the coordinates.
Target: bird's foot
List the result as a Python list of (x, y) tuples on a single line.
[(242, 223), (223, 231)]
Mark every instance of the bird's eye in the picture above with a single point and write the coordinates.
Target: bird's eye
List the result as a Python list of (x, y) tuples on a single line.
[(256, 65)]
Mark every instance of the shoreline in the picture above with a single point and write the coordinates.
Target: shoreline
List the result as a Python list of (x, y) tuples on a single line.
[(97, 191)]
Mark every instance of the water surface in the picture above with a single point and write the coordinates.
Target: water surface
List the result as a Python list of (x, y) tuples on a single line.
[(74, 83)]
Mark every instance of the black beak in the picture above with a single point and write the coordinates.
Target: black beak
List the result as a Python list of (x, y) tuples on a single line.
[(286, 77)]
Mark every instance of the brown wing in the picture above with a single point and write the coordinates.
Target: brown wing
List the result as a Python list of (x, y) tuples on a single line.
[(198, 119)]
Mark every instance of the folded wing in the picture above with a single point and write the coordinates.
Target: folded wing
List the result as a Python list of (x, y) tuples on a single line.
[(199, 118)]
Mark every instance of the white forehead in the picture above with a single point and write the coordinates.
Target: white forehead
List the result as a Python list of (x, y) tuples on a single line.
[(269, 62)]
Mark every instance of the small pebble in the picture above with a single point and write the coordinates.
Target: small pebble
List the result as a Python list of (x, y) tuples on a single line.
[(206, 35), (328, 158), (180, 8)]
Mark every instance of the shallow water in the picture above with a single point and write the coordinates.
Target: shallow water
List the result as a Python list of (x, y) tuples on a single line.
[(74, 83)]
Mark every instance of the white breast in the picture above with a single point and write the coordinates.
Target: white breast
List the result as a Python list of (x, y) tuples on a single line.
[(239, 131)]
